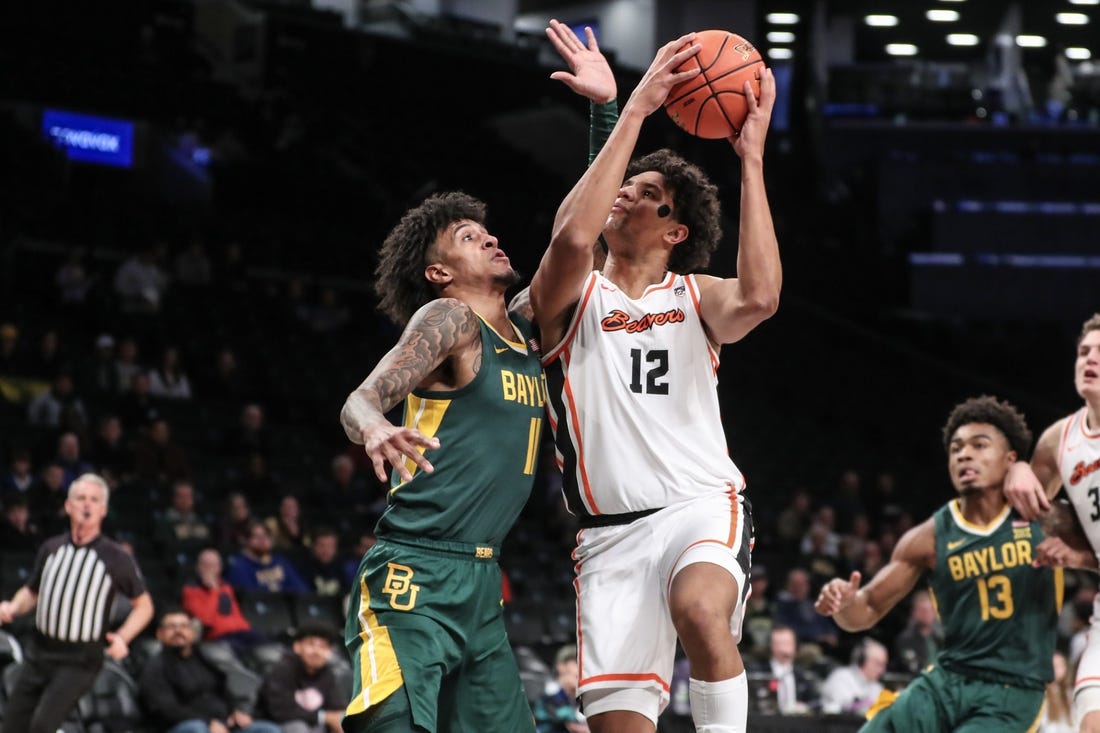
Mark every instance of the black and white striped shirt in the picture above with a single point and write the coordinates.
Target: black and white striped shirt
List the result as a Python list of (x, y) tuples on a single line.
[(77, 584)]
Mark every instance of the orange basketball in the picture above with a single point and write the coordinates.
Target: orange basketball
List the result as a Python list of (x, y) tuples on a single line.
[(712, 105)]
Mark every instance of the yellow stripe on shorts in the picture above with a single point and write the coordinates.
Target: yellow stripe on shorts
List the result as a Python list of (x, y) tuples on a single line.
[(379, 672)]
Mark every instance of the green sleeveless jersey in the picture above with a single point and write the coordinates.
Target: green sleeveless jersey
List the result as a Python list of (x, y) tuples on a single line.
[(998, 612), (489, 436)]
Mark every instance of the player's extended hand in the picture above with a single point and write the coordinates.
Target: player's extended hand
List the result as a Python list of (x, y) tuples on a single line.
[(749, 143), (386, 443), (1025, 492), (837, 594), (117, 648), (7, 612), (1053, 552), (661, 76), (591, 74)]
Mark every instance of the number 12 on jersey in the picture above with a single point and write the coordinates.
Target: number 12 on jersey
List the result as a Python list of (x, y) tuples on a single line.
[(657, 363)]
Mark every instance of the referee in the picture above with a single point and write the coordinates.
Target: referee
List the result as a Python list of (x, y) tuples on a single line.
[(75, 579)]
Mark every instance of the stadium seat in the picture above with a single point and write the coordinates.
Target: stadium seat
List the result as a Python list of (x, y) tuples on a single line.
[(112, 705), (314, 608), (268, 613)]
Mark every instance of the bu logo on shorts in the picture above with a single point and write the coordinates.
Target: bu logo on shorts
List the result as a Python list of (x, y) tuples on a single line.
[(399, 583)]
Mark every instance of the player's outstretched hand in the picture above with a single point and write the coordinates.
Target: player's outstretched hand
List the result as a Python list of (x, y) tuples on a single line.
[(386, 443), (661, 76), (749, 143), (837, 595), (591, 74), (1053, 552)]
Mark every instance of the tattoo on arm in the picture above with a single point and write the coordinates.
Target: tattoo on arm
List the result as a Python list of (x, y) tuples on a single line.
[(435, 332), (1061, 521)]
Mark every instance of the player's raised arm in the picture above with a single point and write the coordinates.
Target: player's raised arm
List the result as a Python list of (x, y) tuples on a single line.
[(582, 215), (733, 307), (1029, 487), (855, 608), (437, 330)]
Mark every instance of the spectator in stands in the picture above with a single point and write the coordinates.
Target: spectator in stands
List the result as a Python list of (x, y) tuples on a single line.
[(251, 436), (47, 500), (759, 612), (68, 456), (137, 408), (180, 528), (256, 567), (794, 520), (140, 283), (18, 478), (256, 480), (158, 459), (13, 361), (127, 365), (233, 532), (797, 689), (168, 380), (821, 564), (822, 526), (556, 711), (17, 532), (917, 646), (365, 541), (185, 692), (72, 280), (322, 568), (855, 687), (346, 495), (111, 453), (48, 360), (191, 266), (227, 385), (795, 608), (211, 600), (100, 375), (72, 638), (328, 316), (301, 692), (288, 534), (58, 407)]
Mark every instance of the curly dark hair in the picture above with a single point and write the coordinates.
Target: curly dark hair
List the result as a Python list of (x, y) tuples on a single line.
[(1092, 324), (1000, 414), (695, 205), (399, 278)]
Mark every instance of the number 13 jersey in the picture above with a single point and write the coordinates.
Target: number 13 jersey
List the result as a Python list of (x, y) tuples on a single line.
[(633, 401)]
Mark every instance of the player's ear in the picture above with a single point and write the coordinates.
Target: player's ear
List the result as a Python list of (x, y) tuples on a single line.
[(437, 274), (676, 233)]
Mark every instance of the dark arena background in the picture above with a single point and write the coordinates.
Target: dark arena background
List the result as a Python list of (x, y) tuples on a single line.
[(192, 193)]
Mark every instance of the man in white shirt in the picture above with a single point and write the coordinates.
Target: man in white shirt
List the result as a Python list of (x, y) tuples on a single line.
[(854, 688)]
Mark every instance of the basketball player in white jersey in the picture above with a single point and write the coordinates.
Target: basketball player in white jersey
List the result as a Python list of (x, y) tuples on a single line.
[(1068, 456), (631, 356)]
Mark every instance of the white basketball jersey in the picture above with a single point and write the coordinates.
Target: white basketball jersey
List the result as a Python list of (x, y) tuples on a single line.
[(1079, 464), (633, 401)]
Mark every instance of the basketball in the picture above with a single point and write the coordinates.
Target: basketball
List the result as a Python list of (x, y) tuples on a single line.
[(712, 105)]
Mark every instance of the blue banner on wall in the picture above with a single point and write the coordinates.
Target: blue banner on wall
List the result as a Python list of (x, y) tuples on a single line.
[(90, 138)]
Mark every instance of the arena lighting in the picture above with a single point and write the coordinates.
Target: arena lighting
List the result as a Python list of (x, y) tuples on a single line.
[(1084, 2), (1077, 53), (780, 53), (962, 39), (782, 18), (881, 21), (1071, 18), (901, 49), (942, 16), (780, 37), (1026, 41)]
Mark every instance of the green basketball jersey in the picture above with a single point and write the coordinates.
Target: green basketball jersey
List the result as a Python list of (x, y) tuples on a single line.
[(489, 436), (999, 613)]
